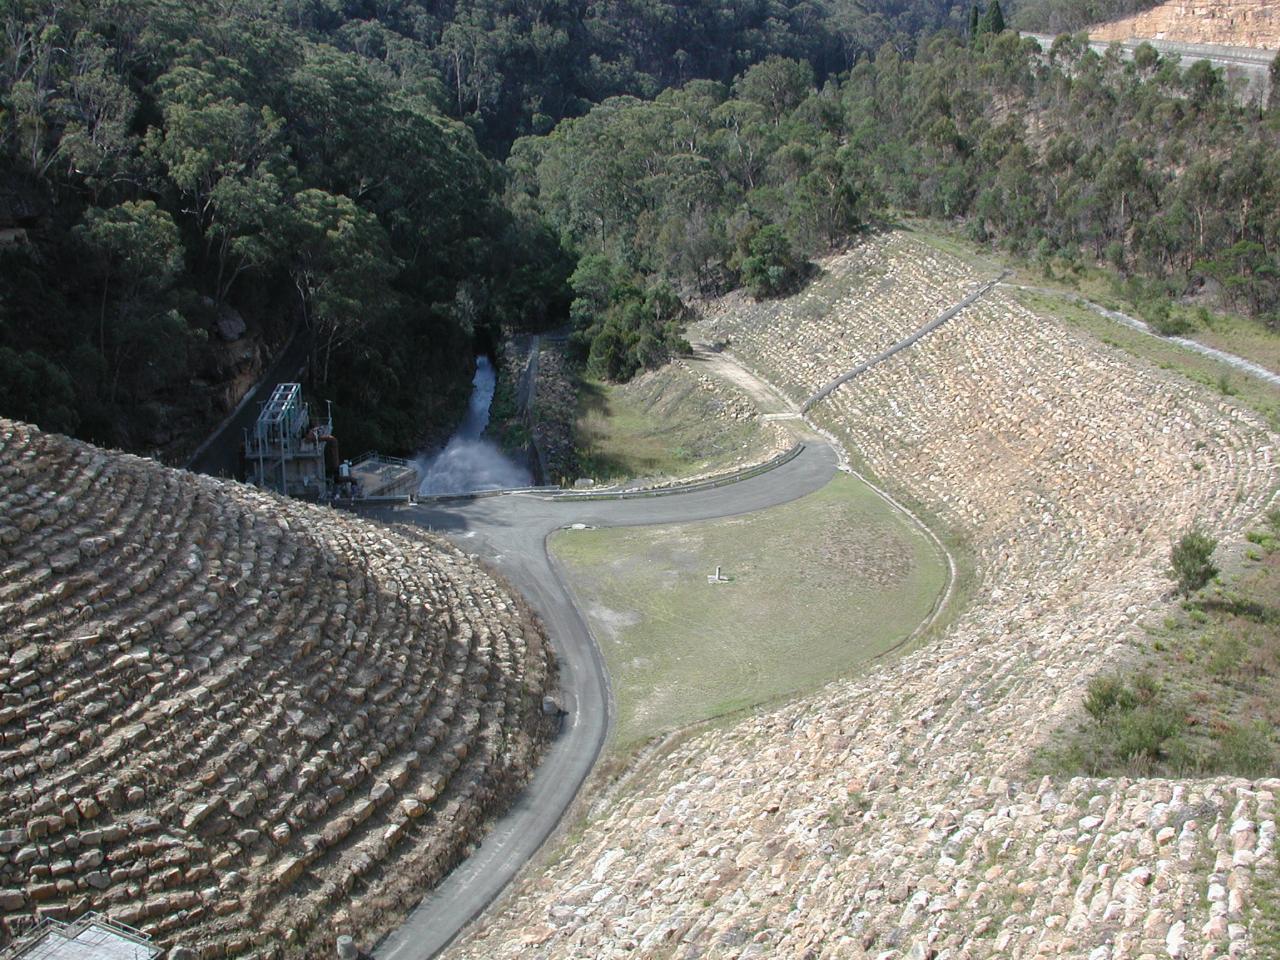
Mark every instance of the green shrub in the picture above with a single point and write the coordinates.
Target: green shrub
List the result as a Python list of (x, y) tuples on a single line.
[(1246, 751), (771, 267), (1108, 695), (38, 391), (1146, 688), (1192, 561), (1167, 323), (1135, 727), (1142, 736), (1227, 653)]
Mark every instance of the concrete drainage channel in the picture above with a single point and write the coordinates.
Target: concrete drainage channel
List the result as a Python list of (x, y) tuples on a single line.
[(902, 344)]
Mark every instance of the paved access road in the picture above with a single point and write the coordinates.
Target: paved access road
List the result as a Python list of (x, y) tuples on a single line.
[(511, 532)]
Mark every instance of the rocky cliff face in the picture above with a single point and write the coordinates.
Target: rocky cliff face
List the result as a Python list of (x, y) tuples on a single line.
[(1240, 23)]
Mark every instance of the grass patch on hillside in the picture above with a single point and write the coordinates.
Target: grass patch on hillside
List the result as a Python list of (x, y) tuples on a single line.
[(1203, 697), (1264, 925), (660, 425), (818, 588), (979, 258), (1219, 377), (1243, 336)]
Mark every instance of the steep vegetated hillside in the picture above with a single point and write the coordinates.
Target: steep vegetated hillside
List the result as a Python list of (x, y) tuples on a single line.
[(178, 172), (181, 185), (238, 722), (1147, 167), (1068, 16), (673, 423), (893, 816), (511, 68)]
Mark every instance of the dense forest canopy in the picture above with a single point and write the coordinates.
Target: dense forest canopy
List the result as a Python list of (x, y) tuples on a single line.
[(402, 179), (1069, 16), (513, 67), (1151, 168), (316, 163), (187, 160)]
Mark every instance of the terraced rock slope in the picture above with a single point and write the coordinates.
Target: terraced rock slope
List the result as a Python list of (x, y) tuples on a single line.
[(891, 816), (241, 723)]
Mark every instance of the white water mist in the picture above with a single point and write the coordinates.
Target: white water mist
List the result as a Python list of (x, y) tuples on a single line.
[(468, 463)]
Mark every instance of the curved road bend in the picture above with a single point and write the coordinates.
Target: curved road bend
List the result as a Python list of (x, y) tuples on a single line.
[(511, 532)]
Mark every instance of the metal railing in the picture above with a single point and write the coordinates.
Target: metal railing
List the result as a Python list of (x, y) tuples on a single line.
[(72, 928), (373, 455)]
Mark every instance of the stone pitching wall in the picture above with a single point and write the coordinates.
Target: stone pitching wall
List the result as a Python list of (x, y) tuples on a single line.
[(241, 723), (891, 816)]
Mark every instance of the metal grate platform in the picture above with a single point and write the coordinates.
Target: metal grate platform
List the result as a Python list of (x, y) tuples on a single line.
[(91, 937)]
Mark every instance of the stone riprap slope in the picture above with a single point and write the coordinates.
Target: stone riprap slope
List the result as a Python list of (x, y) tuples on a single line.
[(891, 816), (864, 301), (241, 723)]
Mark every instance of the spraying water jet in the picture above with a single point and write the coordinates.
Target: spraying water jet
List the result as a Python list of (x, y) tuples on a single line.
[(469, 463)]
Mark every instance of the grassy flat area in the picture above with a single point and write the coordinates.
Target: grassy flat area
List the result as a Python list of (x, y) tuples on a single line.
[(818, 587), (660, 425)]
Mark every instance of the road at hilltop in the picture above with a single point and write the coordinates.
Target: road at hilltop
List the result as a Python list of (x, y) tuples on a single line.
[(510, 532)]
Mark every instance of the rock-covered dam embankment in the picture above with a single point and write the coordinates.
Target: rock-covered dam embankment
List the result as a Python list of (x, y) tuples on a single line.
[(892, 815), (241, 723)]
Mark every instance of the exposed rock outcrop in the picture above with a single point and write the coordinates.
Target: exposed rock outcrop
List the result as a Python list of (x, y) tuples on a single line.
[(1238, 23)]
